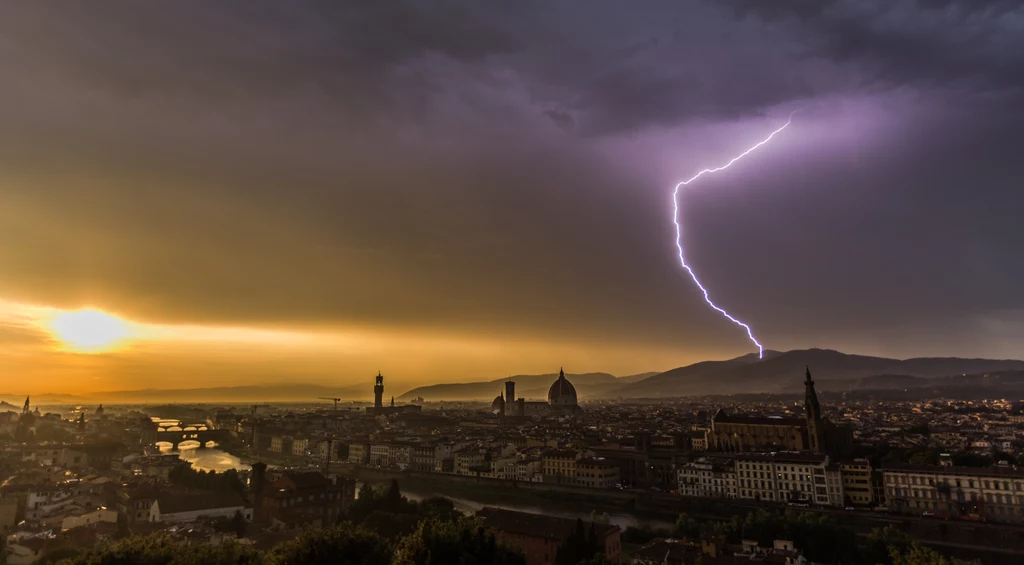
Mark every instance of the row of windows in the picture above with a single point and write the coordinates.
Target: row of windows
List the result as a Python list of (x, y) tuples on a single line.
[(998, 498), (983, 483)]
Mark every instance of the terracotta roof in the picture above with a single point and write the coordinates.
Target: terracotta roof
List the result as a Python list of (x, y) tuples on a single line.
[(758, 420), (194, 502), (305, 479)]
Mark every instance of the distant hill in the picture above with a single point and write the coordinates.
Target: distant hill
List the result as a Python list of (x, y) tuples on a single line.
[(41, 399), (297, 392), (635, 378), (783, 372), (534, 387)]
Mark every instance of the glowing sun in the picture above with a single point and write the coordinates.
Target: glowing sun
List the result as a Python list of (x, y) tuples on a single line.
[(89, 330)]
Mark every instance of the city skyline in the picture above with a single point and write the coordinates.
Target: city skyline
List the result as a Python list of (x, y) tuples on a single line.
[(264, 192)]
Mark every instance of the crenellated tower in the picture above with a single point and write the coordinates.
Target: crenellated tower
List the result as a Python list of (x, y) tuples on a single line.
[(378, 392)]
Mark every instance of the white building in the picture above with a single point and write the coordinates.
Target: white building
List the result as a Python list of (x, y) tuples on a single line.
[(277, 444), (358, 453), (993, 493), (785, 477), (380, 455), (189, 508), (708, 477), (300, 446), (530, 470), (46, 501)]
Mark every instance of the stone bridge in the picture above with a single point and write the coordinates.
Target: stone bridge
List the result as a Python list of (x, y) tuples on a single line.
[(175, 434)]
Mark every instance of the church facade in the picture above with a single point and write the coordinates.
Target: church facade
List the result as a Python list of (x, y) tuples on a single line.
[(812, 433)]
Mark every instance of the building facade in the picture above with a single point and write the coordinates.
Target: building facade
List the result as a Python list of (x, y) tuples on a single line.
[(989, 493), (785, 477), (857, 482), (708, 477)]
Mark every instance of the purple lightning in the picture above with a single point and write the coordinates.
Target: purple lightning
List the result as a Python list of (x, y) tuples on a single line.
[(679, 232)]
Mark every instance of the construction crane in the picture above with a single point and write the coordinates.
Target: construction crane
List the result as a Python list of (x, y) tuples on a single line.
[(336, 401)]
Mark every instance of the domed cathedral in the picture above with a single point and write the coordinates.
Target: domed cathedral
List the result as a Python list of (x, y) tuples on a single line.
[(562, 399), (498, 405), (562, 395)]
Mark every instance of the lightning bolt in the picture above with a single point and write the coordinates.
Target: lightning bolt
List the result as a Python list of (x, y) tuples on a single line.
[(679, 232)]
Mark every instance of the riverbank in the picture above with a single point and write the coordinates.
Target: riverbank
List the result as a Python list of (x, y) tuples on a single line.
[(477, 492)]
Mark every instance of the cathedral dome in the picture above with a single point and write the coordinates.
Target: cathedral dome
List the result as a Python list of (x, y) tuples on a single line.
[(498, 405), (562, 393)]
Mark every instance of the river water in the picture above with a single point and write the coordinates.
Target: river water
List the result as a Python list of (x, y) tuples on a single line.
[(207, 459), (562, 510), (213, 459)]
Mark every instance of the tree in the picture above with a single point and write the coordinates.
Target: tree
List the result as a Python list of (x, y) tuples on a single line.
[(919, 555), (161, 550), (389, 525), (687, 527), (343, 544), (581, 544), (440, 508), (57, 555), (123, 530), (880, 544), (238, 524), (462, 542), (394, 497)]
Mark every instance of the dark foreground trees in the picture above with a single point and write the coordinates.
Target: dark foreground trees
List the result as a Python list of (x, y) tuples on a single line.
[(158, 550), (461, 542), (343, 544), (434, 542)]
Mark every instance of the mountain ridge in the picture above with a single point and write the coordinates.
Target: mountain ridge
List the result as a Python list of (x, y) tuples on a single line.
[(784, 371)]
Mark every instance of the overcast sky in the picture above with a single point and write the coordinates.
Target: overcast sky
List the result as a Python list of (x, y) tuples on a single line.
[(456, 189)]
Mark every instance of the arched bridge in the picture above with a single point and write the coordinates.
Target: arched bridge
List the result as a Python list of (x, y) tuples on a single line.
[(175, 434)]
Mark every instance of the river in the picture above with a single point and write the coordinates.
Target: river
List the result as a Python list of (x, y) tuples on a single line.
[(555, 508), (210, 459), (214, 459), (206, 459)]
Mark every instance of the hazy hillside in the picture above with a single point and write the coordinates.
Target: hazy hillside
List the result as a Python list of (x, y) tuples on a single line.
[(527, 386), (270, 393), (672, 379), (635, 378), (18, 400), (783, 372)]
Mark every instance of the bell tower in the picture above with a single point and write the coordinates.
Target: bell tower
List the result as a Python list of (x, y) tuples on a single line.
[(812, 414), (378, 392)]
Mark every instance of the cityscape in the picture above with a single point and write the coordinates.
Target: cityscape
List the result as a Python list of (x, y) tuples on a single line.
[(700, 282), (656, 478)]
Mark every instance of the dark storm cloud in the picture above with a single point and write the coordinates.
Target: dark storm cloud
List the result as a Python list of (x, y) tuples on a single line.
[(961, 44), (561, 119), (438, 164)]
